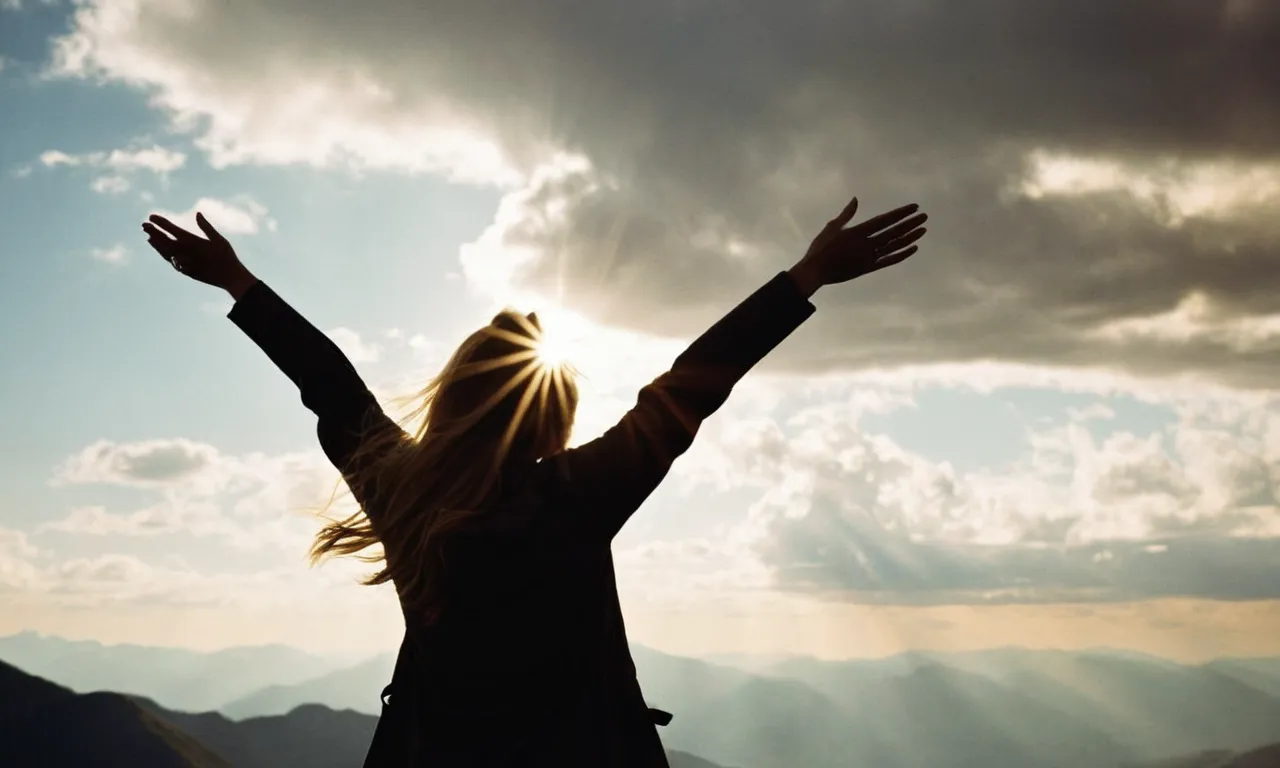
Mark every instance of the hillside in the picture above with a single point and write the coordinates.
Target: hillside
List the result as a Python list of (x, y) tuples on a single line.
[(310, 735), (43, 724), (1262, 757)]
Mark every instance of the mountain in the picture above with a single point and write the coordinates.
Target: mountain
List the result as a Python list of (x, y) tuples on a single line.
[(1115, 703), (1262, 757), (999, 708), (47, 725), (686, 760), (908, 710), (1154, 707), (182, 679), (357, 688), (44, 724), (310, 735), (1263, 674)]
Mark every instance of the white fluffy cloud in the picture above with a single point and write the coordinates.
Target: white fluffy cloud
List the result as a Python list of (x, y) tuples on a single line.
[(1189, 510), (249, 501), (354, 347), (121, 580), (116, 254), (155, 159), (150, 463), (110, 185), (118, 166), (17, 561), (240, 216)]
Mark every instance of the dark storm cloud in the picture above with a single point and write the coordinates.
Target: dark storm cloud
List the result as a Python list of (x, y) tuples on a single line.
[(751, 121), (935, 102)]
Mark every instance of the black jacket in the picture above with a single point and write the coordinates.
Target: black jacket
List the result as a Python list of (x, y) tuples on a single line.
[(529, 665)]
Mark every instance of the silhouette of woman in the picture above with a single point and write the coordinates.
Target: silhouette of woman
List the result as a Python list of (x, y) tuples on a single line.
[(497, 536)]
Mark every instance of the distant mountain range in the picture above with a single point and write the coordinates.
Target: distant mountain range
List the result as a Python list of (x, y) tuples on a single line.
[(46, 725), (1006, 707), (1262, 757), (180, 678)]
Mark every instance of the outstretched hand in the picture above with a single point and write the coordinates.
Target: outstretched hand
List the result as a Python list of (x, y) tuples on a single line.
[(840, 253), (210, 259)]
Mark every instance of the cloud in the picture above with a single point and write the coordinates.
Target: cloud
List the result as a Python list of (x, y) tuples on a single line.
[(116, 254), (110, 185), (354, 347), (1190, 510), (241, 216), (668, 156), (54, 158), (146, 464), (155, 159), (120, 165), (96, 521), (248, 501), (17, 561)]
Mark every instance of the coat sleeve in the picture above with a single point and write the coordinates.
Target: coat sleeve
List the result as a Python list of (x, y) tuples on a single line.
[(612, 475), (347, 413)]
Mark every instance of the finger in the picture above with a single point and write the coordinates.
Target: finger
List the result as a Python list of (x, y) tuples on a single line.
[(208, 229), (899, 229), (159, 240), (844, 216), (894, 258), (153, 231), (898, 243), (877, 223), (169, 227)]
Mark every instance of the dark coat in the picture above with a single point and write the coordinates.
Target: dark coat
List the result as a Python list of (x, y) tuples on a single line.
[(529, 665)]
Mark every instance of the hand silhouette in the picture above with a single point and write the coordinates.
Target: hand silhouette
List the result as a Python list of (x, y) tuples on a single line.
[(839, 254), (211, 261)]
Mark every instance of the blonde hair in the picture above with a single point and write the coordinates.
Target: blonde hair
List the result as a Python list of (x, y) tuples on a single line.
[(493, 403)]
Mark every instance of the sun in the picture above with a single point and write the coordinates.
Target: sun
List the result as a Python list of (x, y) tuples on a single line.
[(562, 332), (552, 350)]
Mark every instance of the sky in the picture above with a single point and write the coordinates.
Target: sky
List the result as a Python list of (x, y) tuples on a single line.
[(1057, 426)]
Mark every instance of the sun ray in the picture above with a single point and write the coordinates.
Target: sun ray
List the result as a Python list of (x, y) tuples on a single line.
[(515, 381), (473, 369), (525, 398)]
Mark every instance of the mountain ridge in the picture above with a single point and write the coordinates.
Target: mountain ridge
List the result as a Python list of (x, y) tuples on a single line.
[(998, 707), (42, 723)]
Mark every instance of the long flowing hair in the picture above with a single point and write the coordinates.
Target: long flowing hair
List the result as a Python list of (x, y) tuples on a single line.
[(495, 402)]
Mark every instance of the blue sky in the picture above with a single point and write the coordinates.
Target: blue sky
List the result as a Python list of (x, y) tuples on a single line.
[(967, 452)]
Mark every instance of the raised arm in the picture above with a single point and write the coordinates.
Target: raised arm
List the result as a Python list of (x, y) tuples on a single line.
[(347, 412), (614, 474), (617, 471)]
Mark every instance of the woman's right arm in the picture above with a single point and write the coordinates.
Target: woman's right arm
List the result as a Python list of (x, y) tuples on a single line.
[(347, 413)]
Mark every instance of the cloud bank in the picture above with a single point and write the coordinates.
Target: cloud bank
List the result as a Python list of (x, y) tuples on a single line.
[(1094, 173)]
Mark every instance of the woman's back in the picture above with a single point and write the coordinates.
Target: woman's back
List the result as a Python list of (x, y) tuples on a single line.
[(520, 657), (529, 645)]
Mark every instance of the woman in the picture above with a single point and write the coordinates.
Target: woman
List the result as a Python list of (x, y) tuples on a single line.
[(494, 533)]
